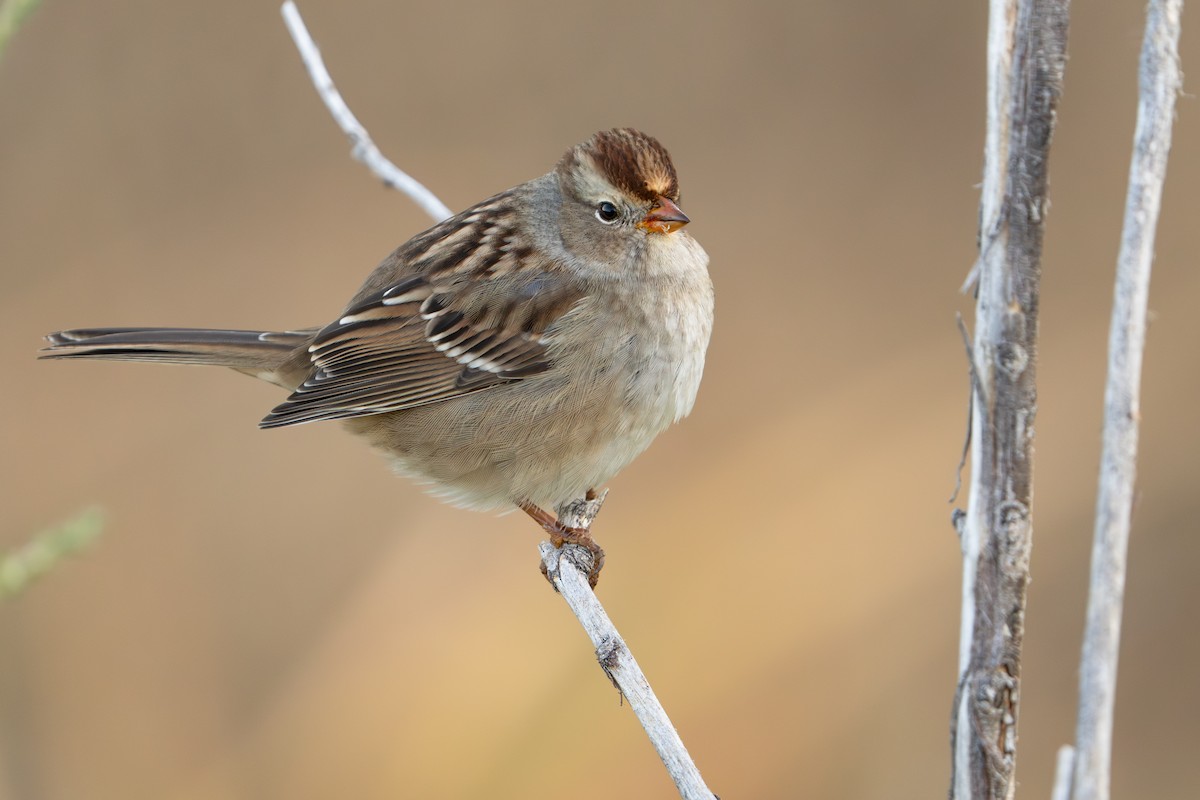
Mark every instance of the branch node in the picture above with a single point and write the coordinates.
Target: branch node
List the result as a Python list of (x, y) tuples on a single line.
[(581, 512), (577, 556), (958, 518), (608, 654)]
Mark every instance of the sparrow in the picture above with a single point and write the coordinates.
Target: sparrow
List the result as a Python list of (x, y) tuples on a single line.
[(518, 354)]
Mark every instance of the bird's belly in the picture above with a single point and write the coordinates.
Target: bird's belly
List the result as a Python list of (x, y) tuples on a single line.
[(541, 439), (548, 438)]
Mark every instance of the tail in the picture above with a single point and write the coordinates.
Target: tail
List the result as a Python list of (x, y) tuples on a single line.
[(261, 353)]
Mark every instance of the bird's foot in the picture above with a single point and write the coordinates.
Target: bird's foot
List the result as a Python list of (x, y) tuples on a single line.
[(582, 549)]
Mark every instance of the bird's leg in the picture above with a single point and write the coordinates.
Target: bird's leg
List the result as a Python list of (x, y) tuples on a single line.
[(563, 535)]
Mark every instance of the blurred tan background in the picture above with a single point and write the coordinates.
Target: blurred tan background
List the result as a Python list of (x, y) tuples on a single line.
[(274, 615)]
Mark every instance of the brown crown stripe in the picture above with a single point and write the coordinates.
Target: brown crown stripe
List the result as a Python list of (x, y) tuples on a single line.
[(634, 162)]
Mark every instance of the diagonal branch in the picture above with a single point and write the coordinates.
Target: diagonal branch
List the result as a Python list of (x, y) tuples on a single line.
[(570, 580), (1159, 83), (362, 148)]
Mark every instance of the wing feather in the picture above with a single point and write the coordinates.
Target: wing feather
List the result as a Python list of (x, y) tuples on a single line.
[(458, 309)]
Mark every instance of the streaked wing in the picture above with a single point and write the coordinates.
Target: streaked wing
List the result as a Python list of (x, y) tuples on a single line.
[(466, 321)]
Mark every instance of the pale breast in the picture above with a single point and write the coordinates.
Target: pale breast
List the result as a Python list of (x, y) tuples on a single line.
[(627, 364)]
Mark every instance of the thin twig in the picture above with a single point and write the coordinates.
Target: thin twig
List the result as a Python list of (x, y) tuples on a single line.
[(569, 578), (362, 148), (1026, 54), (1159, 83), (1063, 767), (972, 390)]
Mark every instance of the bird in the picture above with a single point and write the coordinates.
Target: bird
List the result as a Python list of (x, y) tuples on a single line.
[(516, 355)]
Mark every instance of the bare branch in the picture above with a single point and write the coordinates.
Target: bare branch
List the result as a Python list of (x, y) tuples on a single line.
[(362, 148), (567, 569), (1159, 83), (1026, 53), (619, 665), (1063, 767)]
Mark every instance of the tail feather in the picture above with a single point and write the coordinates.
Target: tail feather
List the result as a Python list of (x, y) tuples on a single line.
[(246, 350)]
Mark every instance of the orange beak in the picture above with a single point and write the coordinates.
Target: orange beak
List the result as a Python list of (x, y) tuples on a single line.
[(665, 217)]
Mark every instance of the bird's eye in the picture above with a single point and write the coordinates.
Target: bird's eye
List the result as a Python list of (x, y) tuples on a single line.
[(607, 213)]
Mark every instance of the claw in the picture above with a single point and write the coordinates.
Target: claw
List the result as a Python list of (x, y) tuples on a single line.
[(561, 536)]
